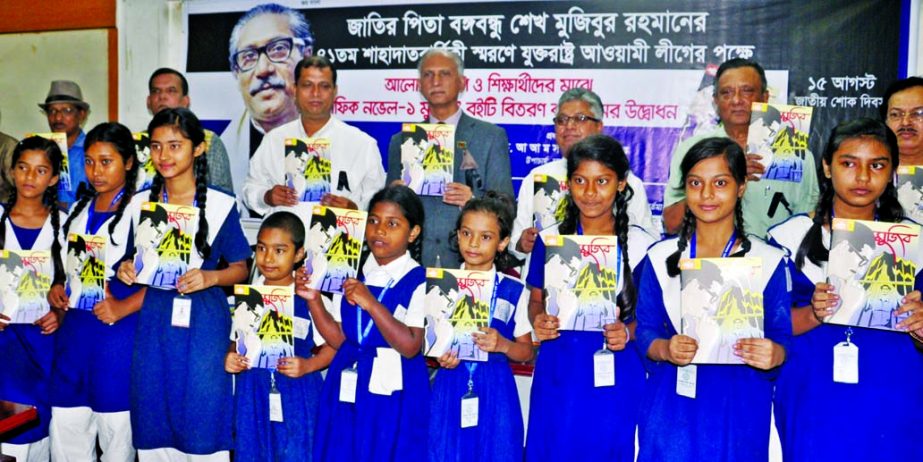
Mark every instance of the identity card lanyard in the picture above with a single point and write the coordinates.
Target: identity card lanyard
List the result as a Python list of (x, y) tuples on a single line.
[(469, 402), (182, 304), (349, 377), (93, 220), (846, 353)]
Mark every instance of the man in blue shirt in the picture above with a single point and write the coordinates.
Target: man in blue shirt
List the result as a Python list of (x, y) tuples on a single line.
[(67, 112)]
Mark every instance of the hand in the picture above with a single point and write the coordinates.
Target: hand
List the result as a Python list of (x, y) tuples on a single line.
[(293, 367), (302, 279), (108, 311), (50, 322), (681, 349), (616, 335), (57, 297), (235, 363), (195, 280), (357, 293), (546, 327), (280, 195), (824, 301), (911, 304), (754, 167), (760, 353), (4, 321), (527, 240), (457, 194), (332, 200), (490, 340), (126, 272), (448, 361)]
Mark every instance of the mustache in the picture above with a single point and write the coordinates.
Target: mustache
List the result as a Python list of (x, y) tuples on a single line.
[(273, 82), (906, 129)]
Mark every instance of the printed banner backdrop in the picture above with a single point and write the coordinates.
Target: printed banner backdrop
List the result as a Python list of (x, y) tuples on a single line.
[(646, 59)]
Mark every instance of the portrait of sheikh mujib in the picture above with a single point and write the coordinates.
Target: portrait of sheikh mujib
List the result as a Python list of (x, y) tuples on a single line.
[(333, 248), (164, 244), (86, 272), (582, 278), (11, 271), (452, 314), (261, 330), (549, 202)]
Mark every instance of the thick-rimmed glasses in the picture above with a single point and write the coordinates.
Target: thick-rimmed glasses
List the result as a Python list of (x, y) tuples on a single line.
[(277, 51), (563, 120)]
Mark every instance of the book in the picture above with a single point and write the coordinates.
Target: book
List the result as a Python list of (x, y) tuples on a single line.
[(307, 167), (146, 170), (25, 278), (85, 267), (721, 303), (872, 266), (457, 304), (779, 133), (427, 157), (549, 200), (164, 243), (333, 246), (582, 280), (910, 190), (262, 326), (64, 177)]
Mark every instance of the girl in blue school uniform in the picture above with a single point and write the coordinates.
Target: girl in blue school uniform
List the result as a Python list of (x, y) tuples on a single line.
[(818, 417), (294, 386), (570, 418), (375, 400), (89, 387), (30, 221), (482, 234), (716, 412), (180, 401)]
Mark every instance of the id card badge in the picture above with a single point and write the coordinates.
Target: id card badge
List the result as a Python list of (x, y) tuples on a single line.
[(300, 327), (846, 362), (686, 377), (469, 410), (349, 379), (275, 406), (182, 311), (603, 369)]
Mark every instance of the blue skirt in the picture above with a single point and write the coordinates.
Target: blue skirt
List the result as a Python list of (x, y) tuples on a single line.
[(26, 361)]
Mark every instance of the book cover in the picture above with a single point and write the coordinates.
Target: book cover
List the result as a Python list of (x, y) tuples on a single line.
[(146, 170), (333, 246), (85, 267), (872, 265), (779, 133), (262, 326), (427, 157), (307, 167), (457, 304), (910, 190), (549, 200), (721, 303), (64, 178), (164, 243), (582, 280), (25, 278)]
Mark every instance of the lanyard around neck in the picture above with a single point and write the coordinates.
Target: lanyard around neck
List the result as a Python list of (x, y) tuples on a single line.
[(93, 226), (727, 247), (360, 333)]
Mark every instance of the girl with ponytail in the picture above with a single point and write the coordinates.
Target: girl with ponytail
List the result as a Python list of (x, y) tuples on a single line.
[(716, 412)]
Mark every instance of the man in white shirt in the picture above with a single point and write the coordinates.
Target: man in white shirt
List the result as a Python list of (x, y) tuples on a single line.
[(356, 172)]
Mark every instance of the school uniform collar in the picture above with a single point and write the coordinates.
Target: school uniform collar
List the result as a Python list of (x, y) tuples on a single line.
[(491, 271), (377, 275)]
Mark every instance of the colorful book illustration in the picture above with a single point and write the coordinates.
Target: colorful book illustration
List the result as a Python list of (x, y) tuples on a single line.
[(427, 157), (582, 279), (333, 246), (910, 190), (307, 167), (721, 303), (165, 242), (872, 265), (86, 270), (779, 133), (64, 178), (457, 304), (262, 325), (25, 278), (549, 200), (146, 171)]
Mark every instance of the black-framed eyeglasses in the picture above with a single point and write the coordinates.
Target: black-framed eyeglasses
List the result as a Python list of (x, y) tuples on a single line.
[(563, 120), (277, 51)]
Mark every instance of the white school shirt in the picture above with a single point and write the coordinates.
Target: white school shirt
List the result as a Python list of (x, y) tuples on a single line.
[(378, 276), (45, 236)]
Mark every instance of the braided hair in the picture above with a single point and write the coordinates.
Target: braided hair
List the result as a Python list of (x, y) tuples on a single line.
[(185, 122), (888, 209), (502, 207), (607, 151), (737, 163)]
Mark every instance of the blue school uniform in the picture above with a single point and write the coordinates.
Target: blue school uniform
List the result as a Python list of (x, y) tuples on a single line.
[(876, 419), (729, 418), (377, 427), (27, 353), (92, 359), (569, 418), (259, 439), (180, 394), (498, 435)]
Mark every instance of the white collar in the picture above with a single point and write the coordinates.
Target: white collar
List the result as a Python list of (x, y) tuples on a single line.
[(378, 275), (452, 120)]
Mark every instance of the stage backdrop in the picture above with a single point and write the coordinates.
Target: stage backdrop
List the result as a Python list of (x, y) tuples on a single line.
[(648, 60)]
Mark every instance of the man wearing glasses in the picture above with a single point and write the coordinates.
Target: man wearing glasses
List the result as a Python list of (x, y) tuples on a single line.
[(580, 114), (67, 112), (903, 112), (265, 44), (738, 84)]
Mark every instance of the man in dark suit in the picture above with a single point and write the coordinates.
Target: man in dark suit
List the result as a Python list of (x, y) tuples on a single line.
[(482, 159)]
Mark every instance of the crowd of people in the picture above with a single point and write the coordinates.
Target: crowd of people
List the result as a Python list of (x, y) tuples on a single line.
[(150, 372)]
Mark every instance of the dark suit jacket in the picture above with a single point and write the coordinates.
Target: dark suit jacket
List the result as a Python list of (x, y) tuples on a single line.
[(490, 148)]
